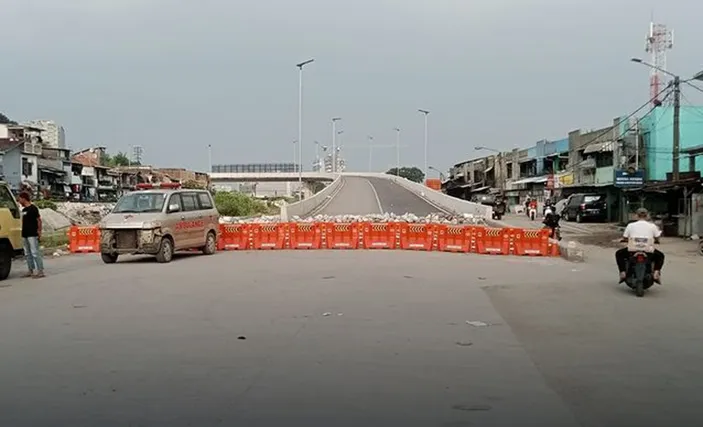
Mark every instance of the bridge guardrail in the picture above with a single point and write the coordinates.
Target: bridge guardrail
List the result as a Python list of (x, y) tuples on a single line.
[(448, 203), (312, 203)]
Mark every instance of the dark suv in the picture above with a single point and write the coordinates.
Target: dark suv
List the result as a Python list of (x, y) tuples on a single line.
[(581, 207)]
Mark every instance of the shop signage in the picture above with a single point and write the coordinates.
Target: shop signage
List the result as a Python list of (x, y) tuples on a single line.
[(629, 178)]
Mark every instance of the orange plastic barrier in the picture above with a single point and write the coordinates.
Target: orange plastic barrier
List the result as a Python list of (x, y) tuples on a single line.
[(418, 237), (304, 236), (83, 239), (553, 248), (268, 236), (340, 236), (456, 238), (233, 237), (379, 235), (493, 241), (529, 242)]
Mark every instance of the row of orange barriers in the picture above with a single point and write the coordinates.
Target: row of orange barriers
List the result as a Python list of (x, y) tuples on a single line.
[(365, 235)]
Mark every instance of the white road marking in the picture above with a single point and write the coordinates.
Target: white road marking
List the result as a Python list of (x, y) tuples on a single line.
[(380, 208)]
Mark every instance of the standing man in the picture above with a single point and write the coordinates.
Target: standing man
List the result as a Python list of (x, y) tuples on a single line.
[(31, 233)]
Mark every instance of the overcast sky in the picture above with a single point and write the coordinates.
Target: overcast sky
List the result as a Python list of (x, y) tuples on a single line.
[(175, 75)]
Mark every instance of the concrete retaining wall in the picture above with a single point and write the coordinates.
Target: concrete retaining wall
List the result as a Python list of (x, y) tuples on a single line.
[(449, 203), (309, 205)]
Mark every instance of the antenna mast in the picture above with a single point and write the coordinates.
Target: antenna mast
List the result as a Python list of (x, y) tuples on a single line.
[(658, 41)]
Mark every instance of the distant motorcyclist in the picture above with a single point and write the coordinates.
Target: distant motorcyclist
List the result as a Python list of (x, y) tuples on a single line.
[(551, 221), (642, 228)]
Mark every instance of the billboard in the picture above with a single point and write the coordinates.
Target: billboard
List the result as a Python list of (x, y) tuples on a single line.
[(628, 178)]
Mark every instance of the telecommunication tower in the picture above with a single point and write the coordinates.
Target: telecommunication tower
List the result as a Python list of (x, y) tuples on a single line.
[(137, 152), (658, 41)]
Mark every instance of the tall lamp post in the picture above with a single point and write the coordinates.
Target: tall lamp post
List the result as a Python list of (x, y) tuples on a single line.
[(677, 111), (300, 123), (441, 175), (334, 143), (370, 152), (397, 151), (426, 113)]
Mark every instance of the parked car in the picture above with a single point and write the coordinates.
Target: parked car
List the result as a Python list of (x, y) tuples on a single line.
[(586, 206)]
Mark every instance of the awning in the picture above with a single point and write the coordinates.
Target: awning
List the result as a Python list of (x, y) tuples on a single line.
[(598, 147), (526, 159), (488, 170), (480, 189), (532, 180)]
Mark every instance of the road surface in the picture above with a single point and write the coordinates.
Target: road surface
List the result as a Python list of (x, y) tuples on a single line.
[(361, 195), (349, 338)]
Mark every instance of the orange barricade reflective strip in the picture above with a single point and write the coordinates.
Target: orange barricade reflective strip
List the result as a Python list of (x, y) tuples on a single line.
[(532, 242), (340, 235), (233, 237), (494, 241), (84, 239), (379, 236), (419, 237), (268, 236), (455, 238), (305, 235)]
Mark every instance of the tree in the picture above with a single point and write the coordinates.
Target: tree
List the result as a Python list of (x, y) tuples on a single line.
[(412, 173), (119, 159), (4, 120)]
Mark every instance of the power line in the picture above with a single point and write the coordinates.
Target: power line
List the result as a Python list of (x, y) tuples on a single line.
[(610, 129)]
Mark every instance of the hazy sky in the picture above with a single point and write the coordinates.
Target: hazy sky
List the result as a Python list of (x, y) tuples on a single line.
[(175, 75)]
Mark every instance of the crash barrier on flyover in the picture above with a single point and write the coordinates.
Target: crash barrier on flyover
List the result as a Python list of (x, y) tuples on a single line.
[(363, 235), (312, 203)]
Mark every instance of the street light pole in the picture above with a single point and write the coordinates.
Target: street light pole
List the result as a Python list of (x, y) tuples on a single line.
[(370, 152), (300, 124), (295, 154), (397, 151), (426, 113), (500, 160), (334, 143), (209, 158)]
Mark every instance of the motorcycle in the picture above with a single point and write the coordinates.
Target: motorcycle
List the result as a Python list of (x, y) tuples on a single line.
[(533, 214), (700, 247), (555, 233), (639, 267), (499, 211)]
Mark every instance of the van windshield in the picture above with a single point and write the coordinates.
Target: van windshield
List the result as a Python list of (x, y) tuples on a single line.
[(140, 202)]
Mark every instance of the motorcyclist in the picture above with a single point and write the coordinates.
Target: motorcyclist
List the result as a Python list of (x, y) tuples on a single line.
[(642, 228), (551, 219)]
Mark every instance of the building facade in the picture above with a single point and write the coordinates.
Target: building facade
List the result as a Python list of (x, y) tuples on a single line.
[(52, 134)]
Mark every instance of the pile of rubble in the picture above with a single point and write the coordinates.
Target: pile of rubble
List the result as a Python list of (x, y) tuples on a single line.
[(435, 218), (84, 213)]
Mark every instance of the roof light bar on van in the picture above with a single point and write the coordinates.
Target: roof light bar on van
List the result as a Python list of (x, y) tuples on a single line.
[(164, 185)]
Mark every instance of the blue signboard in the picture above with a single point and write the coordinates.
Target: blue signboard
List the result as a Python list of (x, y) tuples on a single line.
[(629, 178)]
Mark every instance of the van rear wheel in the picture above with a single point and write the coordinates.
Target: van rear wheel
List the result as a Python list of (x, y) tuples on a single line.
[(210, 244)]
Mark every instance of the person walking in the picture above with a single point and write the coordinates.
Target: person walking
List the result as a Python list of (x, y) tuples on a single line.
[(31, 234)]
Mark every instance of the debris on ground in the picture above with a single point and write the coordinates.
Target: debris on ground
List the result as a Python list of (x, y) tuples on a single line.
[(435, 218), (476, 323), (53, 221), (80, 213)]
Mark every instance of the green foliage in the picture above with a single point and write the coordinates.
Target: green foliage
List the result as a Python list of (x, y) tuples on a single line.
[(316, 186), (4, 120), (54, 240), (239, 204), (45, 204), (119, 159), (411, 173)]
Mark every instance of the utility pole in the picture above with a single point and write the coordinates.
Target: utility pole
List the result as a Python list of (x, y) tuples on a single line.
[(209, 158), (300, 123), (370, 152), (425, 113), (677, 129), (397, 151)]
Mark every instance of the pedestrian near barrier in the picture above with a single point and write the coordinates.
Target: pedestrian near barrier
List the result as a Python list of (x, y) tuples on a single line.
[(31, 234)]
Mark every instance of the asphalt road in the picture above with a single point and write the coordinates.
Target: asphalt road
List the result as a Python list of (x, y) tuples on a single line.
[(145, 344), (360, 196)]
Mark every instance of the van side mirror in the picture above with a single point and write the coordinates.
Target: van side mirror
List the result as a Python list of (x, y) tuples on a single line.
[(174, 207)]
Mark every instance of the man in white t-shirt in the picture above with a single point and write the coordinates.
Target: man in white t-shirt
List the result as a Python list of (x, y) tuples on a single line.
[(644, 229)]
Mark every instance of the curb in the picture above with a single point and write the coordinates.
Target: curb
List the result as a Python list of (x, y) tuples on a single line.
[(571, 251)]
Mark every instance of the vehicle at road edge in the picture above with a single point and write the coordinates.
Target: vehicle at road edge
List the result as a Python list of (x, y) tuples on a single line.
[(581, 207), (159, 220), (10, 230)]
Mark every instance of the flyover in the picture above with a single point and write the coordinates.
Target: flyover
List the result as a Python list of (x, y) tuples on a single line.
[(222, 177)]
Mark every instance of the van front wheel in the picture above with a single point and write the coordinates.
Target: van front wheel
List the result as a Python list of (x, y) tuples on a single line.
[(6, 256), (108, 258), (165, 254)]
